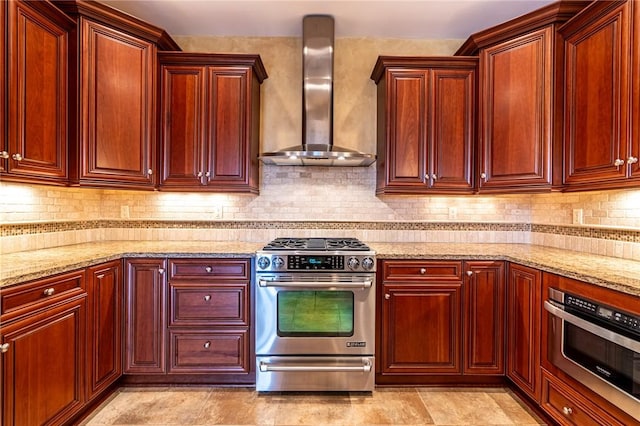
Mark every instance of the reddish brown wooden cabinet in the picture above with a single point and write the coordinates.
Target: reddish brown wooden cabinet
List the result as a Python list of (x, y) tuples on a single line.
[(104, 326), (145, 316), (484, 317), (210, 121), (426, 122), (43, 350), (524, 291), (520, 107), (34, 149), (112, 114), (602, 97)]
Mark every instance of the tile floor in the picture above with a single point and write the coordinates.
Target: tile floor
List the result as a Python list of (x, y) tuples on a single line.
[(242, 406)]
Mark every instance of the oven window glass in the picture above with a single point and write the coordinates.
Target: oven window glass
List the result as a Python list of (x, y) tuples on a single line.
[(315, 313), (614, 363)]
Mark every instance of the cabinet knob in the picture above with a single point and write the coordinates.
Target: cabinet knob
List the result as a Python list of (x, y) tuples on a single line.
[(483, 175), (207, 344), (149, 172), (207, 298), (434, 176), (49, 291), (161, 271), (199, 174), (632, 160), (4, 347), (619, 162), (208, 269), (567, 411), (423, 271), (17, 157), (4, 154), (387, 296), (469, 273)]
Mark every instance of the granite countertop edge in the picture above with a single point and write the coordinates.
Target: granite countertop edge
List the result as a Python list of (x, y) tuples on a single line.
[(615, 273)]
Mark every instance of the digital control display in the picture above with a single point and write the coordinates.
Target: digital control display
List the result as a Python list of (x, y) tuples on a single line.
[(302, 262)]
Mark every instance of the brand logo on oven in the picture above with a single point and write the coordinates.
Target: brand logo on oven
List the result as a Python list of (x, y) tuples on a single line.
[(356, 344), (602, 371)]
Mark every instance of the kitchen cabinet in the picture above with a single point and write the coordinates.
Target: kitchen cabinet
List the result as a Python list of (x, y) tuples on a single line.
[(104, 330), (426, 122), (520, 100), (524, 308), (210, 121), (209, 319), (145, 316), (43, 350), (34, 147), (602, 97), (484, 317), (112, 115)]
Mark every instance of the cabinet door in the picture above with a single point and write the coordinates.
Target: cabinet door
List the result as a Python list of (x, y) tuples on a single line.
[(596, 98), (452, 134), (524, 306), (407, 137), (183, 126), (421, 330), (43, 368), (634, 155), (516, 112), (228, 159), (104, 313), (145, 317), (117, 108), (483, 312), (37, 92)]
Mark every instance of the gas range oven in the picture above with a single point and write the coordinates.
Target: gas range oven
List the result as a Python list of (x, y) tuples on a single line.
[(315, 315)]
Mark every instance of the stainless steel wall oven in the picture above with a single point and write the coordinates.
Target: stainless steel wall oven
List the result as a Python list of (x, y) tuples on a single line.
[(598, 345), (315, 315)]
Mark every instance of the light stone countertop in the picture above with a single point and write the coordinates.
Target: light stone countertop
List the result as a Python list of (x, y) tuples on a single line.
[(618, 274)]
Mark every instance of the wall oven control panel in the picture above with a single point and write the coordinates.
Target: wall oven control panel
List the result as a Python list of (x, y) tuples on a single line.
[(605, 313)]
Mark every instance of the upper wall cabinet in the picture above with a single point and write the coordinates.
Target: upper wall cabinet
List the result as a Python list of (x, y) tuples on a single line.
[(426, 122), (112, 114), (34, 147), (520, 108), (210, 121), (602, 97)]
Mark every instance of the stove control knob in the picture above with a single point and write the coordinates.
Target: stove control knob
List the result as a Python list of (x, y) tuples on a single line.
[(353, 263), (263, 262), (367, 263), (278, 262)]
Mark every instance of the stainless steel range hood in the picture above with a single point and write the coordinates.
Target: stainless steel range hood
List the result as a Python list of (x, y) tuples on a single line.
[(317, 147)]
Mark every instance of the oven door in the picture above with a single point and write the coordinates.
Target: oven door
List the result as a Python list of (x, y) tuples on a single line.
[(603, 360), (315, 314)]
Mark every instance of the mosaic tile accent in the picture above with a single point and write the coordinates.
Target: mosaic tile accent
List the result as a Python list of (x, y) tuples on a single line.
[(629, 235)]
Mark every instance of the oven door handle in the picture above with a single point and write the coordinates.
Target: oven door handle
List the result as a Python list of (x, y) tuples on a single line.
[(316, 284), (602, 332), (266, 367)]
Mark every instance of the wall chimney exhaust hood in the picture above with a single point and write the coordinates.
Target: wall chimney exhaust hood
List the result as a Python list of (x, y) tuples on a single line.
[(317, 147)]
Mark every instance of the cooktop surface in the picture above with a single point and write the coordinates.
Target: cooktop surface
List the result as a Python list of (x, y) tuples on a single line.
[(317, 244)]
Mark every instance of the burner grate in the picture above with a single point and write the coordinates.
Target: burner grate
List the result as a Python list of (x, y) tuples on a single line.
[(317, 244)]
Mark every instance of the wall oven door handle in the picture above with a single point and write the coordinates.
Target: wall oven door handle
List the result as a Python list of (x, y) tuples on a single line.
[(316, 284), (602, 332), (365, 368)]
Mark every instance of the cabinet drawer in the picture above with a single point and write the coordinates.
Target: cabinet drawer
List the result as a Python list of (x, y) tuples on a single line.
[(24, 298), (422, 271), (567, 407), (199, 269), (209, 305), (207, 351)]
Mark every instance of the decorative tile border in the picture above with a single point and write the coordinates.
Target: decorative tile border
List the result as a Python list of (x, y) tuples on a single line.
[(629, 235)]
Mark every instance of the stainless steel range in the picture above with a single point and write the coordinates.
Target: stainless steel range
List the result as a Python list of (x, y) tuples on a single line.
[(315, 315)]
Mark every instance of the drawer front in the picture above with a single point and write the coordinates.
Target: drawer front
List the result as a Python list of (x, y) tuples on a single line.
[(200, 351), (209, 305), (422, 271), (24, 298), (567, 408), (199, 269)]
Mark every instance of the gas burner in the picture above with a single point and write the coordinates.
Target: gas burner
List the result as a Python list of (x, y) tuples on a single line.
[(318, 244)]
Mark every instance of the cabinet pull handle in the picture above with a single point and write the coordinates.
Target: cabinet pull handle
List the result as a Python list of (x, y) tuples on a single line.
[(17, 157), (161, 271), (567, 411), (387, 296), (207, 298), (49, 291), (4, 347), (423, 271), (207, 344), (4, 154), (632, 160), (208, 269)]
